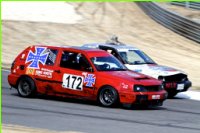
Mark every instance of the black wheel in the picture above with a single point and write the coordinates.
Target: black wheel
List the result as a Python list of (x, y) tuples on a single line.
[(108, 97), (26, 87), (172, 94)]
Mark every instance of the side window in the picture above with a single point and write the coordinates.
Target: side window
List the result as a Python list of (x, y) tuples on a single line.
[(51, 57), (84, 64), (74, 61)]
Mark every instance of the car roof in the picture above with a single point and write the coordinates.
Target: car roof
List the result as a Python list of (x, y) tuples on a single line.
[(117, 47), (69, 47), (91, 52)]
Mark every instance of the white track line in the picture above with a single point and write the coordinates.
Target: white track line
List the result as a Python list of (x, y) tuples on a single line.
[(193, 95)]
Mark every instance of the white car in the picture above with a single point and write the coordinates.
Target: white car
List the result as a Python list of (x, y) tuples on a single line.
[(174, 80)]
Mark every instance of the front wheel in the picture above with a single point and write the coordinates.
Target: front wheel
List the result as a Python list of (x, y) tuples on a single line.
[(108, 96), (26, 87)]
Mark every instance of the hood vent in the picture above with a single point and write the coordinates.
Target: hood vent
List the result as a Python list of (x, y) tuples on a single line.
[(142, 78)]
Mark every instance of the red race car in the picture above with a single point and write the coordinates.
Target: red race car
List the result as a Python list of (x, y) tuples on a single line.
[(82, 73)]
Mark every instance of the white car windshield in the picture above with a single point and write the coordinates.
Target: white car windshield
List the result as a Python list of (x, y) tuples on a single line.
[(108, 63), (135, 57)]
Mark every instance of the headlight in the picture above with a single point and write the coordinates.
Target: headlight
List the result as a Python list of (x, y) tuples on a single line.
[(139, 88)]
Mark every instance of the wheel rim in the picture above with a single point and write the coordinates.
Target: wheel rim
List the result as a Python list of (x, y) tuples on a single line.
[(24, 88), (107, 97)]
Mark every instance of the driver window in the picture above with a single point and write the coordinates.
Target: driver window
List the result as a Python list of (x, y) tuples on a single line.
[(74, 61)]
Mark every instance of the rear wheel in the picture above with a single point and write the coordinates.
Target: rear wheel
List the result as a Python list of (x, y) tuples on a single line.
[(26, 87), (108, 97)]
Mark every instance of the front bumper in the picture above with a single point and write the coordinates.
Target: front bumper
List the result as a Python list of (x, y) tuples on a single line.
[(143, 100), (177, 86), (147, 98)]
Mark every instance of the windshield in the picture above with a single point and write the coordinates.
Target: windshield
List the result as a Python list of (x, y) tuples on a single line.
[(135, 57), (108, 63)]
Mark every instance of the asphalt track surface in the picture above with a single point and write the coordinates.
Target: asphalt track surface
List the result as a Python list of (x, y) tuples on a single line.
[(175, 116)]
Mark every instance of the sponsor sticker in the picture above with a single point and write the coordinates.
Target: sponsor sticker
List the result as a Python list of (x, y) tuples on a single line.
[(38, 57), (89, 80), (74, 82), (30, 71), (124, 86), (43, 72)]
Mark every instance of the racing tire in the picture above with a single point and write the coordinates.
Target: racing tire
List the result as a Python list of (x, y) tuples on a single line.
[(26, 87), (108, 97), (172, 94)]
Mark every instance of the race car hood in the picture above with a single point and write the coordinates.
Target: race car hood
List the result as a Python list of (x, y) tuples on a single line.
[(130, 76), (154, 70)]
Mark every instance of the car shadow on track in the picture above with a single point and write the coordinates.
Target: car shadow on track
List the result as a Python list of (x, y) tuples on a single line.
[(60, 99), (88, 102), (179, 98)]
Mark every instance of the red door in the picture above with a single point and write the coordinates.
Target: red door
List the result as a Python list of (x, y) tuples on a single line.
[(74, 76), (74, 82)]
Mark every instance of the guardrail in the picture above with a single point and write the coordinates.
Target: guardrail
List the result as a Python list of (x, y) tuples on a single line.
[(171, 20), (193, 5)]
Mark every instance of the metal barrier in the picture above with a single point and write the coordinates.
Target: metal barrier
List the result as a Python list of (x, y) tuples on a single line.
[(171, 20), (193, 5)]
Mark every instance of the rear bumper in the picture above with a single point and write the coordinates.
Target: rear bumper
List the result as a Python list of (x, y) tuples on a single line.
[(12, 80), (147, 98)]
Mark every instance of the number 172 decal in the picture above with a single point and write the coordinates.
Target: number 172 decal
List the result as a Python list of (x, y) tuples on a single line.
[(73, 82)]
